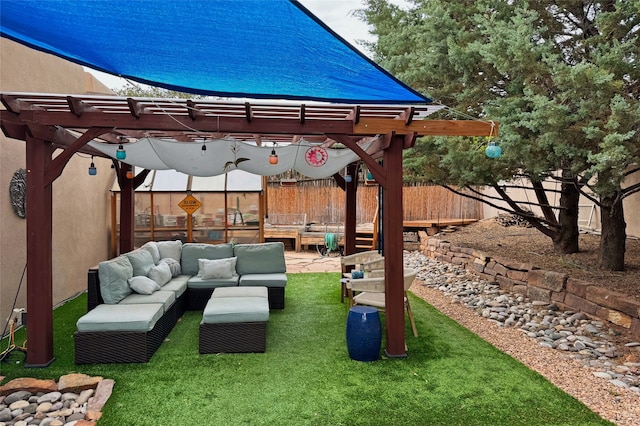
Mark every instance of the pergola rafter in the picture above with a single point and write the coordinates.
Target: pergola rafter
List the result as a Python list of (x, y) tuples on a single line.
[(68, 122)]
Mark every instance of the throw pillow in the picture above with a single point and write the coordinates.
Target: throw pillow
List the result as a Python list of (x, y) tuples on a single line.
[(160, 273), (143, 285), (174, 266), (217, 268)]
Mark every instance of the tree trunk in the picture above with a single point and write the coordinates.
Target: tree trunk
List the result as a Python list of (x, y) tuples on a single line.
[(613, 236), (565, 240)]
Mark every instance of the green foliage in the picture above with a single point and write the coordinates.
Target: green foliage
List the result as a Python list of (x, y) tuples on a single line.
[(144, 91), (562, 79), (451, 376)]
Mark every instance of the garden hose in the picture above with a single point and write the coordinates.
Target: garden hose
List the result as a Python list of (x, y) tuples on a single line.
[(331, 241)]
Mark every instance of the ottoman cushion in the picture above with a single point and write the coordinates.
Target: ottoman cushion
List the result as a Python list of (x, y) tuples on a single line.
[(236, 309), (240, 292)]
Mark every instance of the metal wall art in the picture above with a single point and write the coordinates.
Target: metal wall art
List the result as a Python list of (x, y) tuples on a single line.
[(18, 192)]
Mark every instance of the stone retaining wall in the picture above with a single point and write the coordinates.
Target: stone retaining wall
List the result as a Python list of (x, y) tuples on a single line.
[(547, 286)]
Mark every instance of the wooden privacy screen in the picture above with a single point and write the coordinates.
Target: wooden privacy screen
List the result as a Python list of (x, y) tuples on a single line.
[(325, 204)]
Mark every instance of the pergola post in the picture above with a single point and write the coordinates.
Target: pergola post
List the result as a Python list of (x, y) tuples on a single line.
[(393, 247), (127, 211), (39, 253), (350, 206)]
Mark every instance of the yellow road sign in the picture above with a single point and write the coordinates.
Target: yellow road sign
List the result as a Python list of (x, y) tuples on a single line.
[(190, 204)]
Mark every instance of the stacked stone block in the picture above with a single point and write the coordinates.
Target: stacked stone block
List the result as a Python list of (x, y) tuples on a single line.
[(540, 285)]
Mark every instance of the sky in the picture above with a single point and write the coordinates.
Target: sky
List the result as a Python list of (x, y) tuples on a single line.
[(337, 14)]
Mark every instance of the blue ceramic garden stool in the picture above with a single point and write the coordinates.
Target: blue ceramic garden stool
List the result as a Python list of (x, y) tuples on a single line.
[(364, 334)]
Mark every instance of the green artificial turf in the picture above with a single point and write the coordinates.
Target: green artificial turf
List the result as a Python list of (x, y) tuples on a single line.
[(450, 377)]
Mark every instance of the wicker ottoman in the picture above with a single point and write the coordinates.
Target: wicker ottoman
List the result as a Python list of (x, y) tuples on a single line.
[(234, 323)]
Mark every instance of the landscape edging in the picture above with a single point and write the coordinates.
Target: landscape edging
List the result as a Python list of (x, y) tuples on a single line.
[(540, 285)]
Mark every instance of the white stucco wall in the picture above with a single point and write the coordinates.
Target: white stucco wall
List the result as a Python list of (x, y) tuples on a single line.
[(589, 216), (81, 202)]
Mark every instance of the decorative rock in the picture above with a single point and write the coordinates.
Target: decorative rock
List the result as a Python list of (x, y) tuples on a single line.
[(67, 396), (19, 405), (50, 397), (5, 415), (603, 375), (16, 396), (51, 407), (77, 382), (571, 332), (103, 392), (84, 396), (28, 384)]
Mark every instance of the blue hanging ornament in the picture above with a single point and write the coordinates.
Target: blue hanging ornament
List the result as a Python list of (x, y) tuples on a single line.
[(493, 150)]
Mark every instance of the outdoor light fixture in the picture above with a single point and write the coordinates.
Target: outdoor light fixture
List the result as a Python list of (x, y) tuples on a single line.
[(130, 174), (92, 168), (273, 158), (121, 154), (203, 149), (493, 150)]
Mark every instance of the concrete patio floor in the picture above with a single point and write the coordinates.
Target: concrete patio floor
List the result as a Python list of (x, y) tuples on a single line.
[(310, 261)]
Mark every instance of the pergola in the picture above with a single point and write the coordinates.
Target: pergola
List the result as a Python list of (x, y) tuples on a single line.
[(48, 122)]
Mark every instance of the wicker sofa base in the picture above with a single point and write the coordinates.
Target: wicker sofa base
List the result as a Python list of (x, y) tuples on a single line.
[(106, 347), (197, 298), (233, 337)]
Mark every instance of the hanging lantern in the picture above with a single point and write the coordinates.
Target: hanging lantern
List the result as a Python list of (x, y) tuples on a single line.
[(92, 168), (273, 158), (493, 150), (121, 154)]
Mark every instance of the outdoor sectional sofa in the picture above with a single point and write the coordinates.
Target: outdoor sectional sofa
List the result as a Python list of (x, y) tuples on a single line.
[(135, 299)]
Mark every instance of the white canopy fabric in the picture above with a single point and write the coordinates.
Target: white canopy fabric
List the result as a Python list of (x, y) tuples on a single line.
[(224, 155)]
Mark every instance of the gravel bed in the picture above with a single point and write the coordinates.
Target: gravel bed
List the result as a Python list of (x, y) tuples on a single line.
[(616, 404)]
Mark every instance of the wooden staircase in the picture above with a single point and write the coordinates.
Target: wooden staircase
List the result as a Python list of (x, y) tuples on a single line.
[(367, 239)]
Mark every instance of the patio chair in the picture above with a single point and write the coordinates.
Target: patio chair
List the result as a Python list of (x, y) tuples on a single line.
[(354, 261), (373, 265), (370, 292)]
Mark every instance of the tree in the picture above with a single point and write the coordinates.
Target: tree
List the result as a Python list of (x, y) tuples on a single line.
[(143, 90), (560, 77)]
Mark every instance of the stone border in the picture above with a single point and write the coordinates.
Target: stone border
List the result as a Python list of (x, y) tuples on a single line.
[(537, 284), (85, 395)]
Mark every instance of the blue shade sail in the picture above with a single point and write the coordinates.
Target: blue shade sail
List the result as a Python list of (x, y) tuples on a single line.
[(273, 49)]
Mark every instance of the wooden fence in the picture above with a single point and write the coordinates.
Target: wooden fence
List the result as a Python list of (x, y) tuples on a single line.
[(325, 204)]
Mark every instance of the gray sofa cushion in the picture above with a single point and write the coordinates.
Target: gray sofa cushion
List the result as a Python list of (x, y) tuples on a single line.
[(265, 258), (191, 252), (199, 282), (167, 298), (152, 248), (267, 280), (170, 249), (178, 285), (121, 318), (236, 309), (113, 275), (141, 260)]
